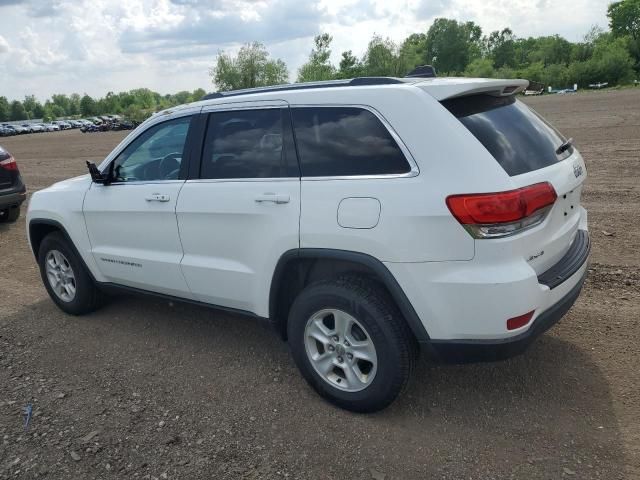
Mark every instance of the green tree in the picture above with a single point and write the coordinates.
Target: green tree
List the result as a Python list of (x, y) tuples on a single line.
[(480, 67), (381, 58), (197, 94), (624, 18), (501, 48), (412, 53), (350, 66), (87, 106), (451, 45), (5, 109), (17, 111), (318, 67), (62, 101), (252, 67)]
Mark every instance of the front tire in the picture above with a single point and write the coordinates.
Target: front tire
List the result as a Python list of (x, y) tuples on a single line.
[(351, 343), (65, 277)]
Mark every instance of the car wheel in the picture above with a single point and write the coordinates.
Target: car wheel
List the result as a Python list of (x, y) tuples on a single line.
[(351, 343), (10, 214), (65, 277)]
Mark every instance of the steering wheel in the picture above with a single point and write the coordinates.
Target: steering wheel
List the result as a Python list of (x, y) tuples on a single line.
[(169, 166)]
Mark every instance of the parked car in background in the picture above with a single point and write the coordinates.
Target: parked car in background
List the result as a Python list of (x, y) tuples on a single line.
[(64, 125), (12, 189), (75, 123), (51, 127), (37, 127), (19, 129), (6, 131)]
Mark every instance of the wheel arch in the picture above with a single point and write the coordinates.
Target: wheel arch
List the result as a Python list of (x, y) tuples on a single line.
[(299, 267)]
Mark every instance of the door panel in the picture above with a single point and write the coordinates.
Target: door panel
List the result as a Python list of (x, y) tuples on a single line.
[(237, 220), (134, 235), (132, 222), (233, 238)]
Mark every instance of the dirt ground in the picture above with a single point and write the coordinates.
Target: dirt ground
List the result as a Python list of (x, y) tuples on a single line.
[(148, 389)]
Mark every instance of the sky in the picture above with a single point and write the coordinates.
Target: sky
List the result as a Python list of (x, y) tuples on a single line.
[(97, 46)]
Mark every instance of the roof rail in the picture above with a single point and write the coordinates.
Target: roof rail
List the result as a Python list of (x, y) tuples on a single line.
[(422, 71), (359, 81)]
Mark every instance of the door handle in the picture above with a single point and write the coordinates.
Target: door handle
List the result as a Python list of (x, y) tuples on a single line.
[(157, 197), (273, 198)]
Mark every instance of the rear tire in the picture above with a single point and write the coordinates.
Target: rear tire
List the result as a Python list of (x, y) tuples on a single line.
[(10, 215), (364, 366), (66, 278)]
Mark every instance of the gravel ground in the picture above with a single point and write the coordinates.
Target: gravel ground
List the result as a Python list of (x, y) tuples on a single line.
[(149, 389)]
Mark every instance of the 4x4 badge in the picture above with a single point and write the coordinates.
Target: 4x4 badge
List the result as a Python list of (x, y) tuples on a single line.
[(577, 169)]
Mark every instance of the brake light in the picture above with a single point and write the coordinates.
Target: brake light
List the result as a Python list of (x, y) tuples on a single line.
[(520, 321), (490, 215), (9, 164)]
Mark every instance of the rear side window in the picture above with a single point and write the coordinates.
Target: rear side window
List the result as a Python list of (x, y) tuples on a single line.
[(340, 141), (247, 144), (517, 137)]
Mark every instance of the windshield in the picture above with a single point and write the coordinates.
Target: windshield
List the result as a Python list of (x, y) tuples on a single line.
[(518, 138)]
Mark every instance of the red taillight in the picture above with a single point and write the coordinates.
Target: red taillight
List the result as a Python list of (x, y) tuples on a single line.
[(9, 164), (520, 321), (502, 208)]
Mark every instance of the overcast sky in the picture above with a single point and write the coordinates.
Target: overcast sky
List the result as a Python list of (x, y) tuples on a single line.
[(96, 46)]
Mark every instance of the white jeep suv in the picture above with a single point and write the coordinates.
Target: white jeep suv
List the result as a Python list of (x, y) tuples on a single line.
[(363, 218)]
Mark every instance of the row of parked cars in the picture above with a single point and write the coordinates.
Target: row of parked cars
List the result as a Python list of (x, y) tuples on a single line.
[(101, 123)]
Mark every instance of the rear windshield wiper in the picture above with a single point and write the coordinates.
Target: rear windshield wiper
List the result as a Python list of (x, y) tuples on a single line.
[(565, 146)]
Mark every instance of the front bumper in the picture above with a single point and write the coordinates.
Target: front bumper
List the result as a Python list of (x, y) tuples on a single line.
[(466, 351)]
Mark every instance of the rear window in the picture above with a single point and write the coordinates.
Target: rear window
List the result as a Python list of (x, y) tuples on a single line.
[(517, 137), (345, 141)]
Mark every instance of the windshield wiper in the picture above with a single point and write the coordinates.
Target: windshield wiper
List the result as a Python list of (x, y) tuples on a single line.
[(565, 146)]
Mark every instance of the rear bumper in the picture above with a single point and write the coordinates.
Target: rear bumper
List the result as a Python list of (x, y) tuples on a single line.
[(464, 306), (12, 197), (456, 351)]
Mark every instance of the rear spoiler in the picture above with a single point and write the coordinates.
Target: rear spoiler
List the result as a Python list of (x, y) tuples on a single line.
[(442, 88)]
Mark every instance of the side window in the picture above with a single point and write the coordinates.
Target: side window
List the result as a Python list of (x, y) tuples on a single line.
[(246, 144), (339, 141), (156, 154)]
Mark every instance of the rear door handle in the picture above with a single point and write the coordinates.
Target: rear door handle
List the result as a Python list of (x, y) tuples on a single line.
[(157, 197), (273, 198)]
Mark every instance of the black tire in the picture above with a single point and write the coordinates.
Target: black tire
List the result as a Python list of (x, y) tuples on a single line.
[(10, 215), (371, 306), (87, 296)]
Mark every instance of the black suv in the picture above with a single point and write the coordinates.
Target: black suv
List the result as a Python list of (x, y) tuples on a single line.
[(12, 189)]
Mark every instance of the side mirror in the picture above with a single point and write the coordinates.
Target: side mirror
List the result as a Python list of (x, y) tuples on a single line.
[(96, 176)]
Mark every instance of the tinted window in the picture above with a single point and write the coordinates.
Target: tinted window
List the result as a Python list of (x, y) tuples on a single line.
[(338, 141), (518, 138), (245, 144), (156, 154)]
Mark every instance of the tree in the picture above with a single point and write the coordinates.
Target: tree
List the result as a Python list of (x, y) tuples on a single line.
[(251, 68), (481, 68), (87, 106), (381, 58), (197, 94), (17, 111), (501, 48), (624, 18), (413, 52), (318, 67), (5, 109), (349, 66), (451, 45), (62, 101), (74, 104)]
